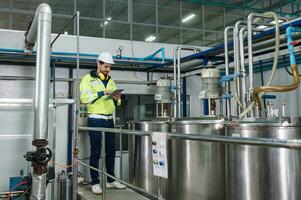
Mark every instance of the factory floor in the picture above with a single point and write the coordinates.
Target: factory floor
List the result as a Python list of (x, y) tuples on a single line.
[(85, 193)]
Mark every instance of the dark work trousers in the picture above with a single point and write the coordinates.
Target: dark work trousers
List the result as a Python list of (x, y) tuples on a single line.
[(95, 148)]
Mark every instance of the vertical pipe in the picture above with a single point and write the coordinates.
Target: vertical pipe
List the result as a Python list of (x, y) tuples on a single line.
[(228, 92), (175, 79), (242, 65), (53, 147), (70, 121), (121, 156), (184, 97), (76, 113), (40, 31), (250, 54), (103, 161), (179, 83), (43, 72)]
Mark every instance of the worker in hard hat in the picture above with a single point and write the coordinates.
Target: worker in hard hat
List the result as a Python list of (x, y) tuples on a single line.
[(95, 89)]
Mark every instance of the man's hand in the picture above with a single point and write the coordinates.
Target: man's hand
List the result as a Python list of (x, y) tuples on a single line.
[(116, 96), (107, 92)]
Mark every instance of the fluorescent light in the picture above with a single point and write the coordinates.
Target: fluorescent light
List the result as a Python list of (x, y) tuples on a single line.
[(188, 18), (279, 20), (107, 19), (150, 38), (262, 27)]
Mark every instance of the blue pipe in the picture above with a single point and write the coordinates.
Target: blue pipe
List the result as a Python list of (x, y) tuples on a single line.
[(289, 35)]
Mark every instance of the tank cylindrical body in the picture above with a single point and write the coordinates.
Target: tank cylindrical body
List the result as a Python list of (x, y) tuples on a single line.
[(140, 156), (64, 186), (196, 168), (263, 173)]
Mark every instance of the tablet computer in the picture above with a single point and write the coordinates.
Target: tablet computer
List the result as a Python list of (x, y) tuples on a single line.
[(114, 93)]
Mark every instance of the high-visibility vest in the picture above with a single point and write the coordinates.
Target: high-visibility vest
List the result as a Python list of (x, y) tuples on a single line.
[(89, 88)]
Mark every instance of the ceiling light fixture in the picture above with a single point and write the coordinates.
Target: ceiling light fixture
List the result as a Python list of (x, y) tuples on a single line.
[(262, 27), (107, 19), (150, 38), (279, 20), (188, 18)]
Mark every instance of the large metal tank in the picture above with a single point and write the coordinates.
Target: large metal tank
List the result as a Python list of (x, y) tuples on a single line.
[(196, 168), (140, 155), (264, 173)]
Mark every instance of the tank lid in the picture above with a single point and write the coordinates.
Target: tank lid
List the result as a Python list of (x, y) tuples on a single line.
[(277, 121), (199, 120)]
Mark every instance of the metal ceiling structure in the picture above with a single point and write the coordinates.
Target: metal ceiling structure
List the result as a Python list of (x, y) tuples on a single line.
[(138, 19)]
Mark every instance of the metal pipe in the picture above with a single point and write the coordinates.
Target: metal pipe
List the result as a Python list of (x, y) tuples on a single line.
[(242, 65), (177, 75), (40, 32), (76, 112), (250, 43), (42, 29), (53, 147), (38, 187), (228, 92), (121, 156), (103, 161), (237, 79), (294, 143)]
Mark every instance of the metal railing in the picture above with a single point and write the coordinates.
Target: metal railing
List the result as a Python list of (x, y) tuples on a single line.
[(291, 144)]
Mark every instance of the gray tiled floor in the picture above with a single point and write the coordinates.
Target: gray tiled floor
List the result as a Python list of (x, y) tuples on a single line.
[(112, 194)]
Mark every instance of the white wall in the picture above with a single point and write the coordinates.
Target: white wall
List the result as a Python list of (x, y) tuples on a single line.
[(17, 124)]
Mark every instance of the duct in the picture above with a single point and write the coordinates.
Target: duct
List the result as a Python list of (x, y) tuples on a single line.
[(40, 32)]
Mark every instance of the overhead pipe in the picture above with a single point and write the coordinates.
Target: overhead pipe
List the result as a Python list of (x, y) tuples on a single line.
[(177, 75), (40, 33), (269, 15), (295, 72)]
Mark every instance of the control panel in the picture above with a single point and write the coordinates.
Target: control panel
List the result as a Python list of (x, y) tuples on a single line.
[(159, 152)]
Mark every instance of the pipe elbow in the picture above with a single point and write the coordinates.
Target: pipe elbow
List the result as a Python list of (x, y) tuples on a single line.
[(44, 8)]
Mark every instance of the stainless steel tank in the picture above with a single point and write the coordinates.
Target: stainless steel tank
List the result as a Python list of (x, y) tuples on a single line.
[(196, 169), (140, 155), (264, 173)]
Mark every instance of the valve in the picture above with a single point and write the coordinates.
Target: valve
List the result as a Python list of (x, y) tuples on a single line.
[(41, 155)]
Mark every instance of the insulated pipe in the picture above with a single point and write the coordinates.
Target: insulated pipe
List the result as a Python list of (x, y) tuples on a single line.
[(40, 32), (296, 77), (228, 92)]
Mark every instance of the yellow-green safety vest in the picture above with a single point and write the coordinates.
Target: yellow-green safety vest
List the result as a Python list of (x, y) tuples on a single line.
[(89, 88)]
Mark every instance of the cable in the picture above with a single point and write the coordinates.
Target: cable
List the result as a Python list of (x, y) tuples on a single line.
[(17, 185), (262, 83), (65, 167), (26, 191)]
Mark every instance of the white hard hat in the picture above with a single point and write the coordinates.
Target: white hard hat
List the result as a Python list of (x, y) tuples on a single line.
[(106, 57)]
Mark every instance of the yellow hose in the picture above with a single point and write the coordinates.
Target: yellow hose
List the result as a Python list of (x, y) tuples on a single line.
[(262, 89), (275, 61)]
